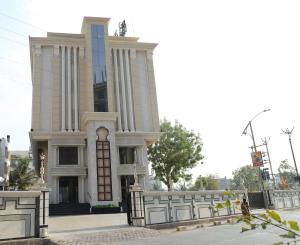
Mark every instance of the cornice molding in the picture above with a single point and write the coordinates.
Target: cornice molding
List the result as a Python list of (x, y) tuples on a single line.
[(98, 116)]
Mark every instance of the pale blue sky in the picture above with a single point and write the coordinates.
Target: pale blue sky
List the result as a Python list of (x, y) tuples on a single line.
[(218, 63)]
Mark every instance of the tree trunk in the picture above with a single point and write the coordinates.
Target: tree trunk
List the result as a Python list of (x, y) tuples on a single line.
[(169, 186)]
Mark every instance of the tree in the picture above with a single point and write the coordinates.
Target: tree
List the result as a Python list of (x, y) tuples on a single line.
[(177, 151), (245, 177), (22, 177), (287, 172), (208, 182)]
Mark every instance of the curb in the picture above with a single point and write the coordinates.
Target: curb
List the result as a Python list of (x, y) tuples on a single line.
[(191, 222)]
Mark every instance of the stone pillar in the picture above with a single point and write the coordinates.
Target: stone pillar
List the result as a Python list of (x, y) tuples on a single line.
[(63, 90), (137, 205), (123, 91), (55, 158), (69, 90), (75, 90), (81, 189), (117, 89), (129, 93)]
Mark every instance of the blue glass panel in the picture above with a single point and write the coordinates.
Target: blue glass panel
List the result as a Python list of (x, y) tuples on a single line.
[(99, 68)]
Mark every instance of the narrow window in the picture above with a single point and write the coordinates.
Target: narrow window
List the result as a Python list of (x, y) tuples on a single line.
[(103, 166)]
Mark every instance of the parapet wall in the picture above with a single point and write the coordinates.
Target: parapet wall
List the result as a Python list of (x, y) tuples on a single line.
[(166, 207), (286, 199), (23, 214)]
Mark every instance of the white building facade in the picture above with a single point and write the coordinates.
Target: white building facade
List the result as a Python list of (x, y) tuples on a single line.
[(94, 111), (4, 161)]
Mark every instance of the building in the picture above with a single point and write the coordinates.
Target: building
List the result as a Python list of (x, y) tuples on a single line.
[(224, 183), (4, 161), (94, 111), (16, 155)]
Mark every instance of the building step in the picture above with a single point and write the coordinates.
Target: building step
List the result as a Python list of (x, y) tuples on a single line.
[(69, 209)]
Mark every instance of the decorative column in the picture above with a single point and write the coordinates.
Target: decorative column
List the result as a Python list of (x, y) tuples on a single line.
[(130, 108), (81, 155), (81, 189), (123, 91), (117, 89), (63, 90), (75, 89), (55, 159), (69, 91)]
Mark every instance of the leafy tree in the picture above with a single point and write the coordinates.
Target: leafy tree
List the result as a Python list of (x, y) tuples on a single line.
[(245, 177), (288, 172), (208, 182), (22, 177), (177, 151)]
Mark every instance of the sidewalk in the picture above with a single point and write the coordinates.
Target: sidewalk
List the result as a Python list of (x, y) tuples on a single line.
[(103, 237), (95, 229), (86, 223)]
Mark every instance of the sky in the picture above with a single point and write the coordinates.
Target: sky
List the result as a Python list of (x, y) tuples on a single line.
[(217, 65)]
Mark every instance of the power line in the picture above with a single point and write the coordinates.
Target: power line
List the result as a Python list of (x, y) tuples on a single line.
[(8, 30), (11, 40), (37, 68), (23, 22)]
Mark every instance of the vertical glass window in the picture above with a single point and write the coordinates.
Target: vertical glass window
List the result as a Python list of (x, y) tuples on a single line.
[(99, 68)]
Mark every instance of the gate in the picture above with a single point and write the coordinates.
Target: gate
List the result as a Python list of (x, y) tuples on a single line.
[(256, 199), (129, 208)]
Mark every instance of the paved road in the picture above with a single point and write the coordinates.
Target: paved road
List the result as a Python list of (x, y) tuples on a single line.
[(221, 235), (226, 234)]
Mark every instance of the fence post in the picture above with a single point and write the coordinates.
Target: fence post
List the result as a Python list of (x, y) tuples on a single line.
[(44, 212), (137, 205)]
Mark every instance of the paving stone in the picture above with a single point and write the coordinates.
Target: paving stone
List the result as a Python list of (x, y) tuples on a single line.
[(104, 237)]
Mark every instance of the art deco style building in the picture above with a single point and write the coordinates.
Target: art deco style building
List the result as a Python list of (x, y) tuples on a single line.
[(94, 111)]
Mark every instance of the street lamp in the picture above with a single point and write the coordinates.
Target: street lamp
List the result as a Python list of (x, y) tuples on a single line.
[(253, 139), (250, 125)]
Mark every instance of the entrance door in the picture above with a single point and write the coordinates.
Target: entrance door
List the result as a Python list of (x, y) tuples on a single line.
[(68, 189), (126, 181)]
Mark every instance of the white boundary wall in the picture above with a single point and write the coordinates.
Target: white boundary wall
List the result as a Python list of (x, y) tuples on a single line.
[(23, 214), (167, 207), (286, 199)]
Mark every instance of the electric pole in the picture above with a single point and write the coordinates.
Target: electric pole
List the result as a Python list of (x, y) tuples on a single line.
[(265, 142), (289, 133)]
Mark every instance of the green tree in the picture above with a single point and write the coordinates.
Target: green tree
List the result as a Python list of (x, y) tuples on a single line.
[(208, 182), (22, 177), (288, 172), (245, 177), (177, 151)]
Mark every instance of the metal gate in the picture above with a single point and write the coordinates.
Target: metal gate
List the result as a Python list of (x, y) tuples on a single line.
[(256, 199), (129, 208)]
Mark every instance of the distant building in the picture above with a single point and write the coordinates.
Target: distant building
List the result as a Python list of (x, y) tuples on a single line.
[(154, 184), (224, 183), (16, 155), (4, 160), (94, 111)]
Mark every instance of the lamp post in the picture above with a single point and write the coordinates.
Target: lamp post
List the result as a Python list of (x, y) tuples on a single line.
[(253, 140), (289, 133)]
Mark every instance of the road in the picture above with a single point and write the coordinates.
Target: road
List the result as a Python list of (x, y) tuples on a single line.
[(221, 235)]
